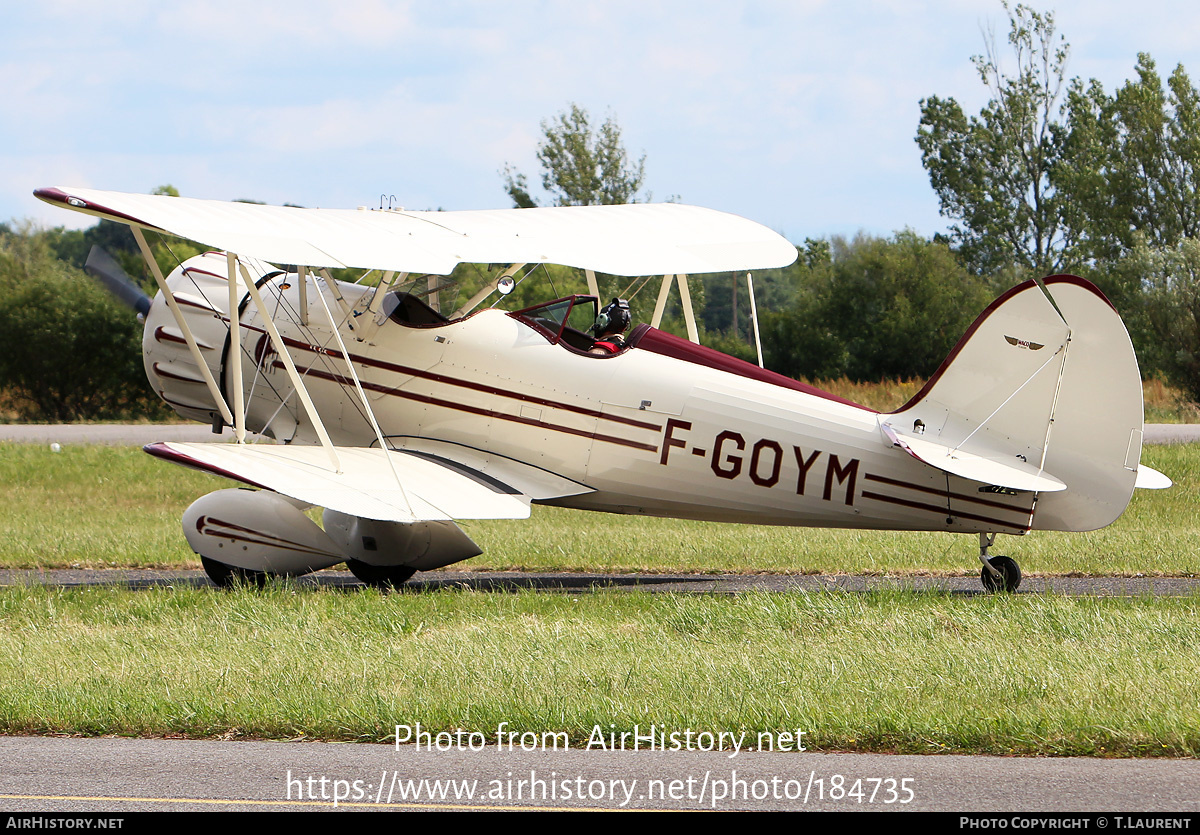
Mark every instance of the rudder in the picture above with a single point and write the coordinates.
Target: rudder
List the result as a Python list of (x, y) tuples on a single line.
[(1051, 387)]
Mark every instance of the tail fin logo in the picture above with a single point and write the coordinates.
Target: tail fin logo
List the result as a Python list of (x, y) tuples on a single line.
[(1022, 343)]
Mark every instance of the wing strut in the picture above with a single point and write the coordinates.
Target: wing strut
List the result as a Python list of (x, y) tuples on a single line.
[(685, 296), (661, 304), (689, 315), (363, 398), (385, 283), (485, 291), (337, 294), (303, 274), (293, 375), (754, 319), (213, 388), (235, 351)]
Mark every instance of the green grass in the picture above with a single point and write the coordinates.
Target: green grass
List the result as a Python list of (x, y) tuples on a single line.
[(897, 671), (94, 506), (97, 506), (884, 671)]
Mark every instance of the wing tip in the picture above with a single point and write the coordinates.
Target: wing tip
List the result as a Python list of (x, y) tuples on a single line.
[(167, 452), (57, 196)]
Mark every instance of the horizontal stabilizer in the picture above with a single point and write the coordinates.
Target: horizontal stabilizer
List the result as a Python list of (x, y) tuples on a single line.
[(1149, 478), (366, 485), (995, 468)]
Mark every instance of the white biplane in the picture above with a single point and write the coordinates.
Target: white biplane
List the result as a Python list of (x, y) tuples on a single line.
[(398, 419)]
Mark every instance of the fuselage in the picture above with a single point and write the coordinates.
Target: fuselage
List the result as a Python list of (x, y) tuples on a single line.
[(662, 428)]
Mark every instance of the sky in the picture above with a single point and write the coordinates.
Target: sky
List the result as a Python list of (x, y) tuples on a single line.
[(800, 115)]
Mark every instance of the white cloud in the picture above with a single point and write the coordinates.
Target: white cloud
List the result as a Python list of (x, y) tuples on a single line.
[(801, 115)]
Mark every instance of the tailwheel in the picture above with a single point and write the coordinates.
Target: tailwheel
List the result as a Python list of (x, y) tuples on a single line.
[(380, 576), (1010, 575), (228, 576)]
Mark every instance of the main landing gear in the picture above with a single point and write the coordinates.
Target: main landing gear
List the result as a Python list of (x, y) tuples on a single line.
[(228, 576), (999, 573), (380, 576)]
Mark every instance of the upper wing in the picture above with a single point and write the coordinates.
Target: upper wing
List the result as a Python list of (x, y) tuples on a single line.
[(631, 239), (410, 487)]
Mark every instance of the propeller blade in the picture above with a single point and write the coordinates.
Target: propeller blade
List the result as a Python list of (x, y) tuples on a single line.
[(101, 266)]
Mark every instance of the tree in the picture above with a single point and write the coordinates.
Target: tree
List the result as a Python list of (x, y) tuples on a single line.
[(1170, 277), (68, 351), (997, 174), (1143, 150), (874, 308), (1132, 195), (580, 167)]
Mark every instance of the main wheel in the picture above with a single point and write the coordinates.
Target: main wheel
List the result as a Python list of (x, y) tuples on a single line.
[(227, 576), (1010, 575), (380, 576)]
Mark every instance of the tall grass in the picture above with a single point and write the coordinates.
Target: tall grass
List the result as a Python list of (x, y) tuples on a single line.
[(1163, 403), (884, 396), (885, 671), (98, 507)]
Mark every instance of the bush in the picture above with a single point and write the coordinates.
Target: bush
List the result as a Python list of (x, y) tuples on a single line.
[(1167, 325), (68, 351), (876, 309)]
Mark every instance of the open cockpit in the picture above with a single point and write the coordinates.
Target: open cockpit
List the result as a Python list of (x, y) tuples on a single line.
[(576, 323), (570, 321)]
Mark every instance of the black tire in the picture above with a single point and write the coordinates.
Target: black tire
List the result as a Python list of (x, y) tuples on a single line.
[(1010, 572), (380, 576), (228, 576)]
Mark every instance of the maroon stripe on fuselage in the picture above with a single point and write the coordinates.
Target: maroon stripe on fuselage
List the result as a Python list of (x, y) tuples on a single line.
[(254, 537), (212, 409), (959, 496), (367, 362), (942, 511), (190, 270), (476, 410), (161, 335), (207, 307), (162, 372)]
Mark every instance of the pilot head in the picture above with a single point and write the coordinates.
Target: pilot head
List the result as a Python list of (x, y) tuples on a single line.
[(613, 319)]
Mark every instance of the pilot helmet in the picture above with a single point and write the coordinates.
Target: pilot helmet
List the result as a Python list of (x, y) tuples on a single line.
[(614, 318)]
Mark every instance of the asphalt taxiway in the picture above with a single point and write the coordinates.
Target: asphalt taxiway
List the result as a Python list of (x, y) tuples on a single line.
[(64, 775), (501, 582)]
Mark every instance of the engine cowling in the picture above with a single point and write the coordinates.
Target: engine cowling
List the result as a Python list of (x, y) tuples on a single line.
[(201, 289)]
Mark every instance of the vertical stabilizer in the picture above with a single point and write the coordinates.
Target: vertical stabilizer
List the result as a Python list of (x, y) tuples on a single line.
[(1052, 385)]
